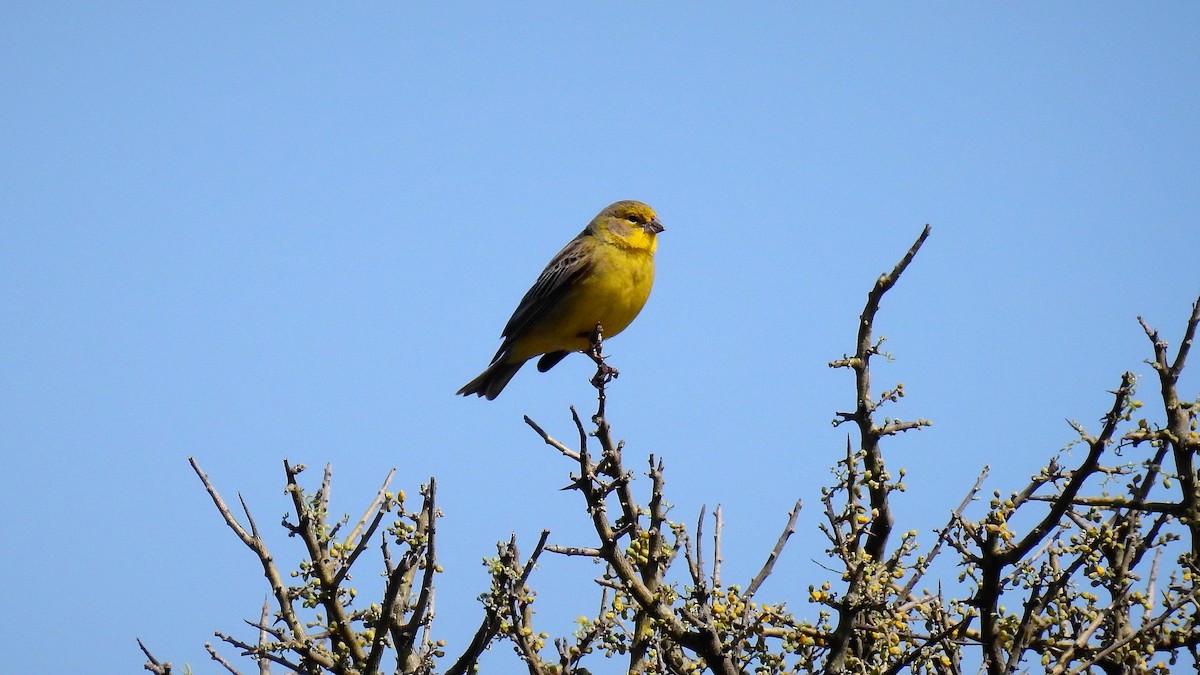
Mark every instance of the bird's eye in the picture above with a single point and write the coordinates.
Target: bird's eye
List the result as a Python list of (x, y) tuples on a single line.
[(633, 218)]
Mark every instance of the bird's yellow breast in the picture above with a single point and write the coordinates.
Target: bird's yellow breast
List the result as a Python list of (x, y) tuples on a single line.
[(611, 293)]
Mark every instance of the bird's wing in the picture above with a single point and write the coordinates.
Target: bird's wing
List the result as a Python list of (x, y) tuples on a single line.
[(559, 276)]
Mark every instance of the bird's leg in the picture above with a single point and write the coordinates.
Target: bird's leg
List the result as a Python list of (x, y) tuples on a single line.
[(604, 372), (597, 344)]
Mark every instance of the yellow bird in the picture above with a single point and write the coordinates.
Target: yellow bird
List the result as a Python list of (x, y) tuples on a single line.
[(602, 277)]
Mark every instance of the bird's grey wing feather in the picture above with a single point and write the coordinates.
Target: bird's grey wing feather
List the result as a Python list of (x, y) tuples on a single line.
[(554, 281)]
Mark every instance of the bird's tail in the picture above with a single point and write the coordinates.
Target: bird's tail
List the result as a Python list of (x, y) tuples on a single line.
[(491, 381)]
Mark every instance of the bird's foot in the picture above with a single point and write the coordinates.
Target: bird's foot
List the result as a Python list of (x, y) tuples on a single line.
[(604, 372), (596, 348)]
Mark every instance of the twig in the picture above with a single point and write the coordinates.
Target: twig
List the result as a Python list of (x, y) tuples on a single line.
[(550, 441), (342, 630), (718, 558), (152, 664), (1096, 448), (264, 664), (788, 531), (278, 588), (247, 648), (879, 526), (361, 544), (944, 534), (422, 607), (584, 551), (212, 653)]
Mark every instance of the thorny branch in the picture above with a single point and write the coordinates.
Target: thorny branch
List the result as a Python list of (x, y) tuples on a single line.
[(861, 555), (1056, 571), (636, 549), (313, 625)]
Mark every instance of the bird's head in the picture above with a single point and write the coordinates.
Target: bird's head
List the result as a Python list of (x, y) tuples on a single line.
[(629, 222)]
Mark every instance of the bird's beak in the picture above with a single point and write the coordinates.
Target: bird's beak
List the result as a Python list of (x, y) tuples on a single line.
[(654, 226)]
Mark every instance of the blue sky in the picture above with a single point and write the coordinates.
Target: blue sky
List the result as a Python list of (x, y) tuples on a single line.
[(251, 232)]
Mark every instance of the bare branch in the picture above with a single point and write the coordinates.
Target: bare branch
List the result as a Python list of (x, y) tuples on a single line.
[(1096, 448), (718, 526), (574, 550), (763, 573), (152, 664), (551, 441), (212, 653), (955, 516)]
